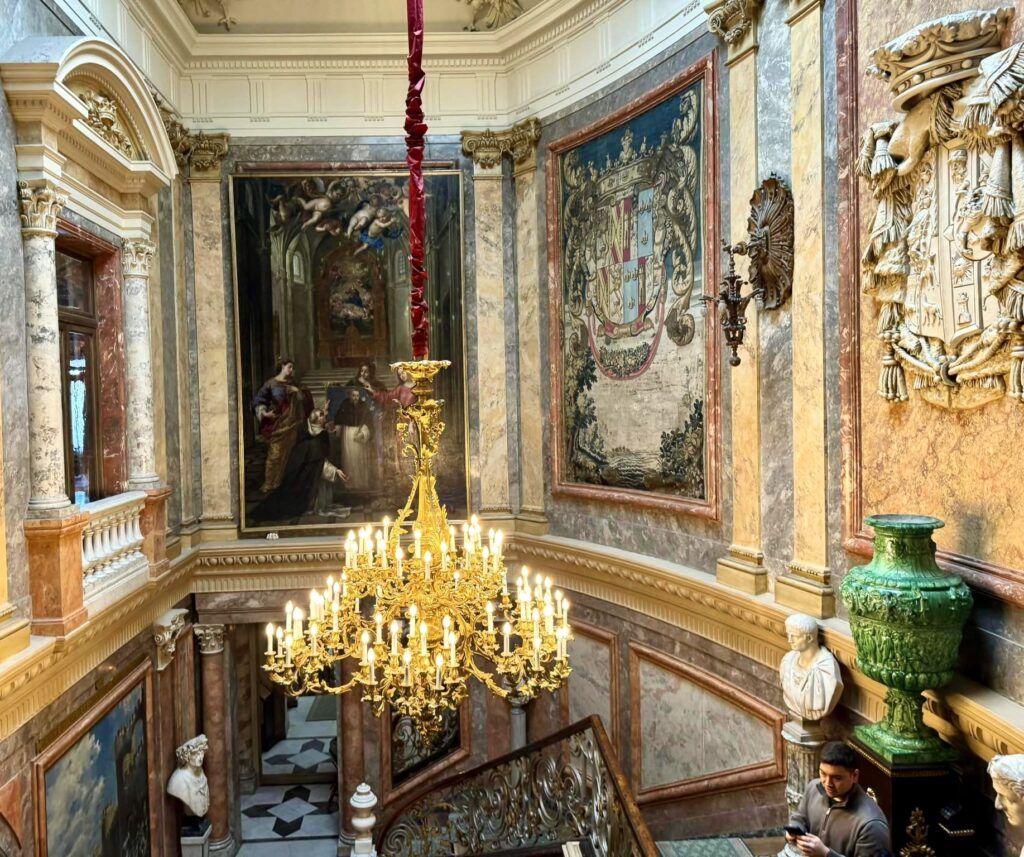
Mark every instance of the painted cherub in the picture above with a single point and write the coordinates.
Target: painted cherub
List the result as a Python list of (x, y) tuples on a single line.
[(321, 205), (379, 228)]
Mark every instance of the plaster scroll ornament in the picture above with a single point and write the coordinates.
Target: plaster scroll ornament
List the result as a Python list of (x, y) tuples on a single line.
[(188, 782), (945, 254), (732, 20), (492, 14), (811, 682), (202, 9), (1007, 773)]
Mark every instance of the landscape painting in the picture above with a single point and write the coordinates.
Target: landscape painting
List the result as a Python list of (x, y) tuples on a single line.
[(633, 341), (322, 281), (92, 784)]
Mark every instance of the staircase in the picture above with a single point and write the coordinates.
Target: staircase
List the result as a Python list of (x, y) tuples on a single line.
[(562, 795)]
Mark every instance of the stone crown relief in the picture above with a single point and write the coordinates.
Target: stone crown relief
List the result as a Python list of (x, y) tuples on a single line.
[(945, 253)]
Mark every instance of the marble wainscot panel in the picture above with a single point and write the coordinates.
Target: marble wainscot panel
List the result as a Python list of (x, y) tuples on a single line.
[(594, 680), (709, 735), (21, 18), (689, 540)]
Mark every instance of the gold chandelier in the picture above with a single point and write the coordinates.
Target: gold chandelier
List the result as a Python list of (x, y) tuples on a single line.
[(420, 621)]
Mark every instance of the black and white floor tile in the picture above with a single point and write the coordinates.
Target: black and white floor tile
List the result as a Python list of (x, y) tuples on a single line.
[(299, 756), (273, 813)]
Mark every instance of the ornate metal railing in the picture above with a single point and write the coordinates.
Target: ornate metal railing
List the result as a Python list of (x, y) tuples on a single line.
[(112, 540), (566, 787)]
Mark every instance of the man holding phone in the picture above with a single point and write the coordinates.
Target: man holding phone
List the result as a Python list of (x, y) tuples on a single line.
[(836, 817)]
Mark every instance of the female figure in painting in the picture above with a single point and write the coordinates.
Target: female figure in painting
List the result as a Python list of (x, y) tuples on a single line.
[(402, 396), (280, 407)]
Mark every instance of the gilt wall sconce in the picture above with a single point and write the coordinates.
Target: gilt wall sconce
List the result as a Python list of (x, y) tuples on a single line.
[(769, 246)]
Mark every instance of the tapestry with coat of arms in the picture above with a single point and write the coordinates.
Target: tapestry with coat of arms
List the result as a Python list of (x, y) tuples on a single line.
[(630, 320)]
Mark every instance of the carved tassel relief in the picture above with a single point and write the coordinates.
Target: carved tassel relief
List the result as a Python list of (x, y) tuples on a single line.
[(944, 259)]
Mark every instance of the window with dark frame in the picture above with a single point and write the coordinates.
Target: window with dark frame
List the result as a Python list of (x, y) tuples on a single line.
[(77, 316)]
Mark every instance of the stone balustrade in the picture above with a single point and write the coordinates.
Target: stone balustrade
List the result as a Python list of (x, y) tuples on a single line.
[(112, 542)]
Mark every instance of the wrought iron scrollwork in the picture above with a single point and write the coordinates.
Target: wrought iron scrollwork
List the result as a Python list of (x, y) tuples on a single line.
[(556, 792)]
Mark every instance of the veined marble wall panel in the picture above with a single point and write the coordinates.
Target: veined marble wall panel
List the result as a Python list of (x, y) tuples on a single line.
[(716, 737), (168, 430), (686, 539), (592, 687), (22, 18), (961, 466)]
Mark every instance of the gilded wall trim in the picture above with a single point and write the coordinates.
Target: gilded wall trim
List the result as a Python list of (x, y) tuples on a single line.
[(753, 626)]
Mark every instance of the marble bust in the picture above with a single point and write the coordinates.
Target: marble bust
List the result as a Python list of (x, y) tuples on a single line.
[(811, 683), (1007, 773), (188, 783)]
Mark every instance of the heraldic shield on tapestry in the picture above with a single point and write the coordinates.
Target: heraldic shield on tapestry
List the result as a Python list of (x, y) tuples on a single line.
[(945, 257), (630, 321)]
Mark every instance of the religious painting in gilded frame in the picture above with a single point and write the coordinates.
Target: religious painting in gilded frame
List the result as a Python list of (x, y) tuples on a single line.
[(94, 785), (322, 309), (634, 347)]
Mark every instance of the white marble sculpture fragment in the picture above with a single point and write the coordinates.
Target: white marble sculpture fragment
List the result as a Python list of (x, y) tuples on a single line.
[(811, 682), (1007, 773), (188, 783)]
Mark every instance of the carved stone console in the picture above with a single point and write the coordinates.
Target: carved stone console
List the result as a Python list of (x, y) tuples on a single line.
[(944, 259)]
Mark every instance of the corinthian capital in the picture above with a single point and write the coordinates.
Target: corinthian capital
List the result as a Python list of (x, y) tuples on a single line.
[(137, 257), (211, 638), (735, 22), (40, 205), (520, 142)]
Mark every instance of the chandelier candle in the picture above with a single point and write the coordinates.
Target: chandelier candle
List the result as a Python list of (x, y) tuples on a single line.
[(432, 615)]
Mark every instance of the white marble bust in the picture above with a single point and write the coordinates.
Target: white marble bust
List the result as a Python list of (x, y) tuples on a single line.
[(811, 683), (188, 783), (1007, 773)]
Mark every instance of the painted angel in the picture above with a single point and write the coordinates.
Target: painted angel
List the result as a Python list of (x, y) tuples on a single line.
[(319, 206)]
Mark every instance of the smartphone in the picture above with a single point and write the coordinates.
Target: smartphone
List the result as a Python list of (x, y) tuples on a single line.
[(794, 830)]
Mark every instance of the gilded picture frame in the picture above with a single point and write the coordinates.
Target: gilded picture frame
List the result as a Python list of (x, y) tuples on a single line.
[(705, 503), (337, 345), (85, 737)]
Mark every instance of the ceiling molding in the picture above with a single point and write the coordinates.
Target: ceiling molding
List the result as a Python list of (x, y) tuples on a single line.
[(549, 57)]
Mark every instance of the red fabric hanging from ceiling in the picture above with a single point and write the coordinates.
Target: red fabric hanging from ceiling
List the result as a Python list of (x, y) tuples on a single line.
[(415, 130)]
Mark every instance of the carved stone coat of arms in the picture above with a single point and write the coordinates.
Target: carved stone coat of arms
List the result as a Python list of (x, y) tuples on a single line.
[(945, 255)]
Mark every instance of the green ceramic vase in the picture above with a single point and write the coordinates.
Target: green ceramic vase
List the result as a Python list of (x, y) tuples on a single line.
[(907, 617)]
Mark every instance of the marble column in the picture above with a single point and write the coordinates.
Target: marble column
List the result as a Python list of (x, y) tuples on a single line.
[(351, 764), (166, 630), (517, 722), (491, 357), (215, 438), (137, 259), (39, 208), (807, 585), (525, 137), (743, 567), (215, 726)]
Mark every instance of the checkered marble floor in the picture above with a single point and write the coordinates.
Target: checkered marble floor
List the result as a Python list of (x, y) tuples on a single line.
[(273, 813), (299, 756)]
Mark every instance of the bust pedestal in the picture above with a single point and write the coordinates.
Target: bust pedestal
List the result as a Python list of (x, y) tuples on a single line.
[(934, 788), (196, 842), (804, 740)]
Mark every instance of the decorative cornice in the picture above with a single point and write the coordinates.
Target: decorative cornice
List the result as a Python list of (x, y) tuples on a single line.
[(735, 22), (211, 638), (137, 258), (40, 205), (985, 721), (166, 630), (487, 147)]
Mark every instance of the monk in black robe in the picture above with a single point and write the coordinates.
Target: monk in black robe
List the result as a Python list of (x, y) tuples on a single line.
[(307, 468)]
